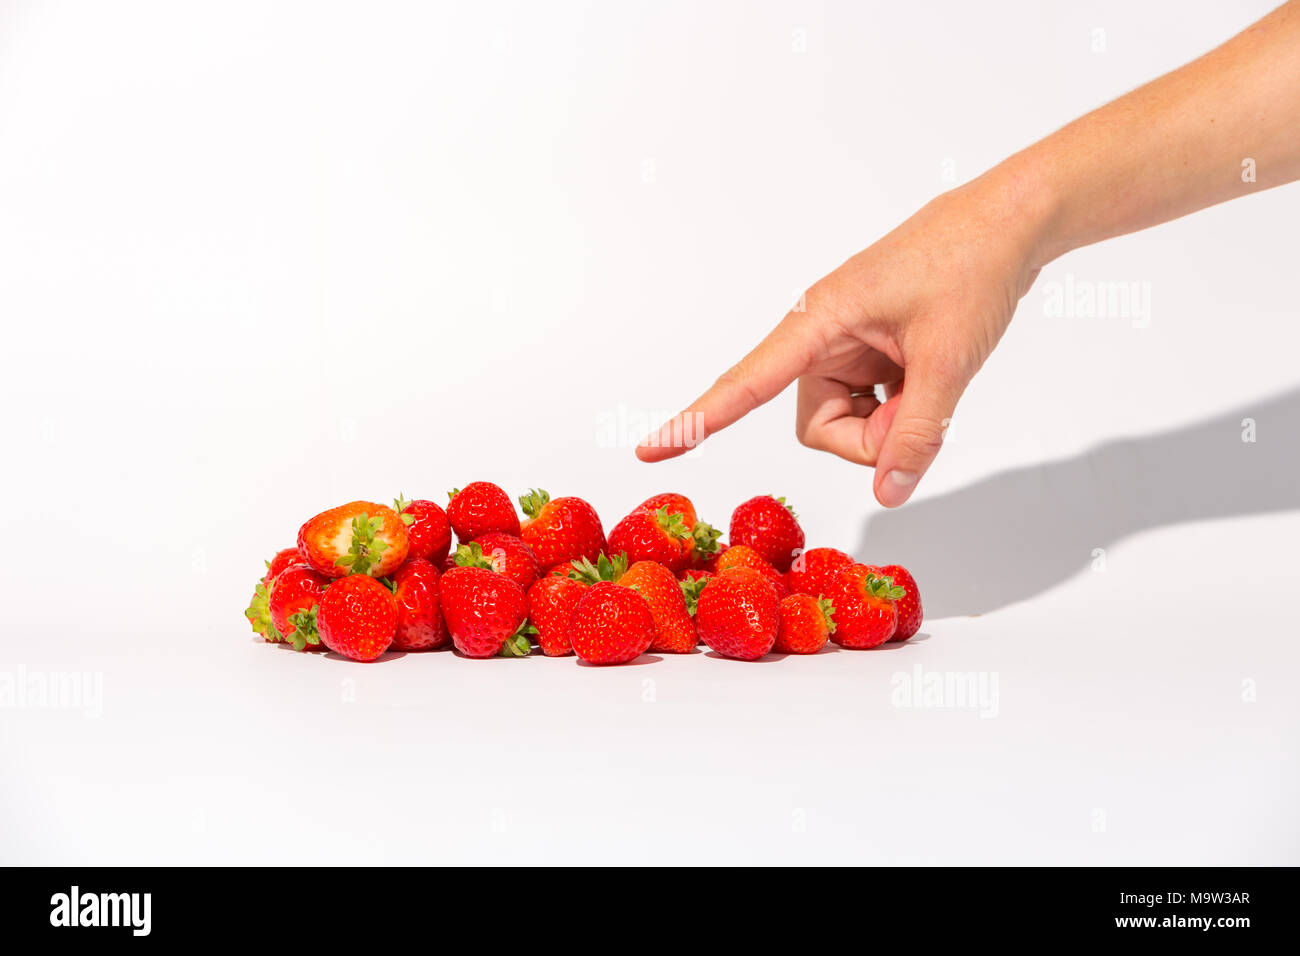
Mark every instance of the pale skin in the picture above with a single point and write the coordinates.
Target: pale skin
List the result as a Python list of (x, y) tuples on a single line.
[(919, 311)]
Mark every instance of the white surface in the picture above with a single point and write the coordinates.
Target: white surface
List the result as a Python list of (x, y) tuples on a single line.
[(259, 259)]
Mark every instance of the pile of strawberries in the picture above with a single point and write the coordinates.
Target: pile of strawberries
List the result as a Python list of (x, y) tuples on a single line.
[(366, 578)]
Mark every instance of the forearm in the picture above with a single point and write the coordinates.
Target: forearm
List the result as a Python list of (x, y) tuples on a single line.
[(1176, 145)]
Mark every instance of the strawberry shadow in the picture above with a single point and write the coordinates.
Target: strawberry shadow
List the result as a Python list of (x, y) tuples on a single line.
[(635, 662)]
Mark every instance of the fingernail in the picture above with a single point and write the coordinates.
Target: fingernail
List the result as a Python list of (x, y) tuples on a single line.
[(897, 487)]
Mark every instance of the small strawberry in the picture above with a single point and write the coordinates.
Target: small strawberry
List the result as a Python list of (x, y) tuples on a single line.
[(361, 537), (738, 614), (294, 597), (704, 537), (357, 617), (420, 626), (611, 624), (815, 570), (674, 627), (427, 528), (560, 530), (258, 611), (284, 558), (486, 612), (807, 623), (504, 554), (653, 536), (551, 601), (768, 526), (743, 556), (481, 507), (694, 574), (865, 615), (910, 614)]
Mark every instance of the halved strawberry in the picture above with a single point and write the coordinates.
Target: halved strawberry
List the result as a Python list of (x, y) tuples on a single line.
[(361, 537)]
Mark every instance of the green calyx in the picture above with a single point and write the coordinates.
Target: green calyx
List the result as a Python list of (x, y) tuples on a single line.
[(704, 538), (400, 505), (828, 612), (304, 628), (367, 548), (453, 493), (258, 613), (519, 644), (781, 499), (672, 524), (534, 501), (471, 556), (883, 586), (603, 570), (691, 589)]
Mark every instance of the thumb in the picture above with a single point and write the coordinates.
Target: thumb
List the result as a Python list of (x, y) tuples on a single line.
[(916, 433)]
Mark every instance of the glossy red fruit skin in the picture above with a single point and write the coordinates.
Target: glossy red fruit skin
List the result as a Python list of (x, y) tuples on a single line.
[(803, 627), (743, 556), (511, 557), (695, 574), (861, 622), (323, 539), (551, 601), (284, 558), (430, 532), (910, 613), (611, 624), (676, 505), (564, 530), (814, 572), (640, 537), (481, 608), (479, 508), (769, 527), (357, 617), (295, 589), (738, 614), (674, 626), (420, 626)]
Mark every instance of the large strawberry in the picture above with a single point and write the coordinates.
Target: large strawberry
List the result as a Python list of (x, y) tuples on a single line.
[(258, 611), (551, 601), (653, 536), (361, 537), (743, 556), (674, 626), (420, 626), (427, 528), (704, 537), (865, 615), (770, 527), (815, 571), (481, 507), (807, 622), (611, 624), (294, 597), (561, 529), (486, 612), (357, 617), (910, 613), (504, 554), (738, 614)]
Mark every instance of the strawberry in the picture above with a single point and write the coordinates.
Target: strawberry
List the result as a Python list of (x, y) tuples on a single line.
[(357, 617), (427, 528), (807, 622), (481, 507), (743, 556), (704, 537), (653, 536), (694, 574), (560, 530), (551, 601), (486, 612), (768, 526), (738, 614), (910, 614), (295, 595), (360, 537), (284, 558), (420, 626), (258, 611), (674, 627), (865, 615), (504, 554), (814, 571), (611, 624)]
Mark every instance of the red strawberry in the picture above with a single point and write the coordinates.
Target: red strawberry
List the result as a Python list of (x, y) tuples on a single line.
[(611, 624), (361, 537), (807, 623), (258, 611), (743, 556), (551, 601), (674, 627), (768, 526), (357, 617), (694, 574), (486, 612), (561, 530), (738, 614), (427, 528), (284, 558), (481, 507), (294, 597), (865, 615), (420, 626), (910, 614), (814, 571), (504, 554), (653, 536), (704, 537)]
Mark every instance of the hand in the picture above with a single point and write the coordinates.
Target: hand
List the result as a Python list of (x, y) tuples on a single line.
[(916, 313)]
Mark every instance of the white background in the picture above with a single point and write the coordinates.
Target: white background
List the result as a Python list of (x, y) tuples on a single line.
[(260, 259)]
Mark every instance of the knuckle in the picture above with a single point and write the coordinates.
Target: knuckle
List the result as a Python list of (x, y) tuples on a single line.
[(918, 438)]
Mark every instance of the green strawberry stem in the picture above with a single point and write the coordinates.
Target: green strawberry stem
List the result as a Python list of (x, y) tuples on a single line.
[(883, 586), (672, 524), (259, 614), (828, 612), (471, 556), (691, 589), (603, 570), (519, 644), (705, 539), (304, 628), (534, 501)]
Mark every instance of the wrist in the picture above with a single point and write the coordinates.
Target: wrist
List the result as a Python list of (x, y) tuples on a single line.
[(1024, 185)]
